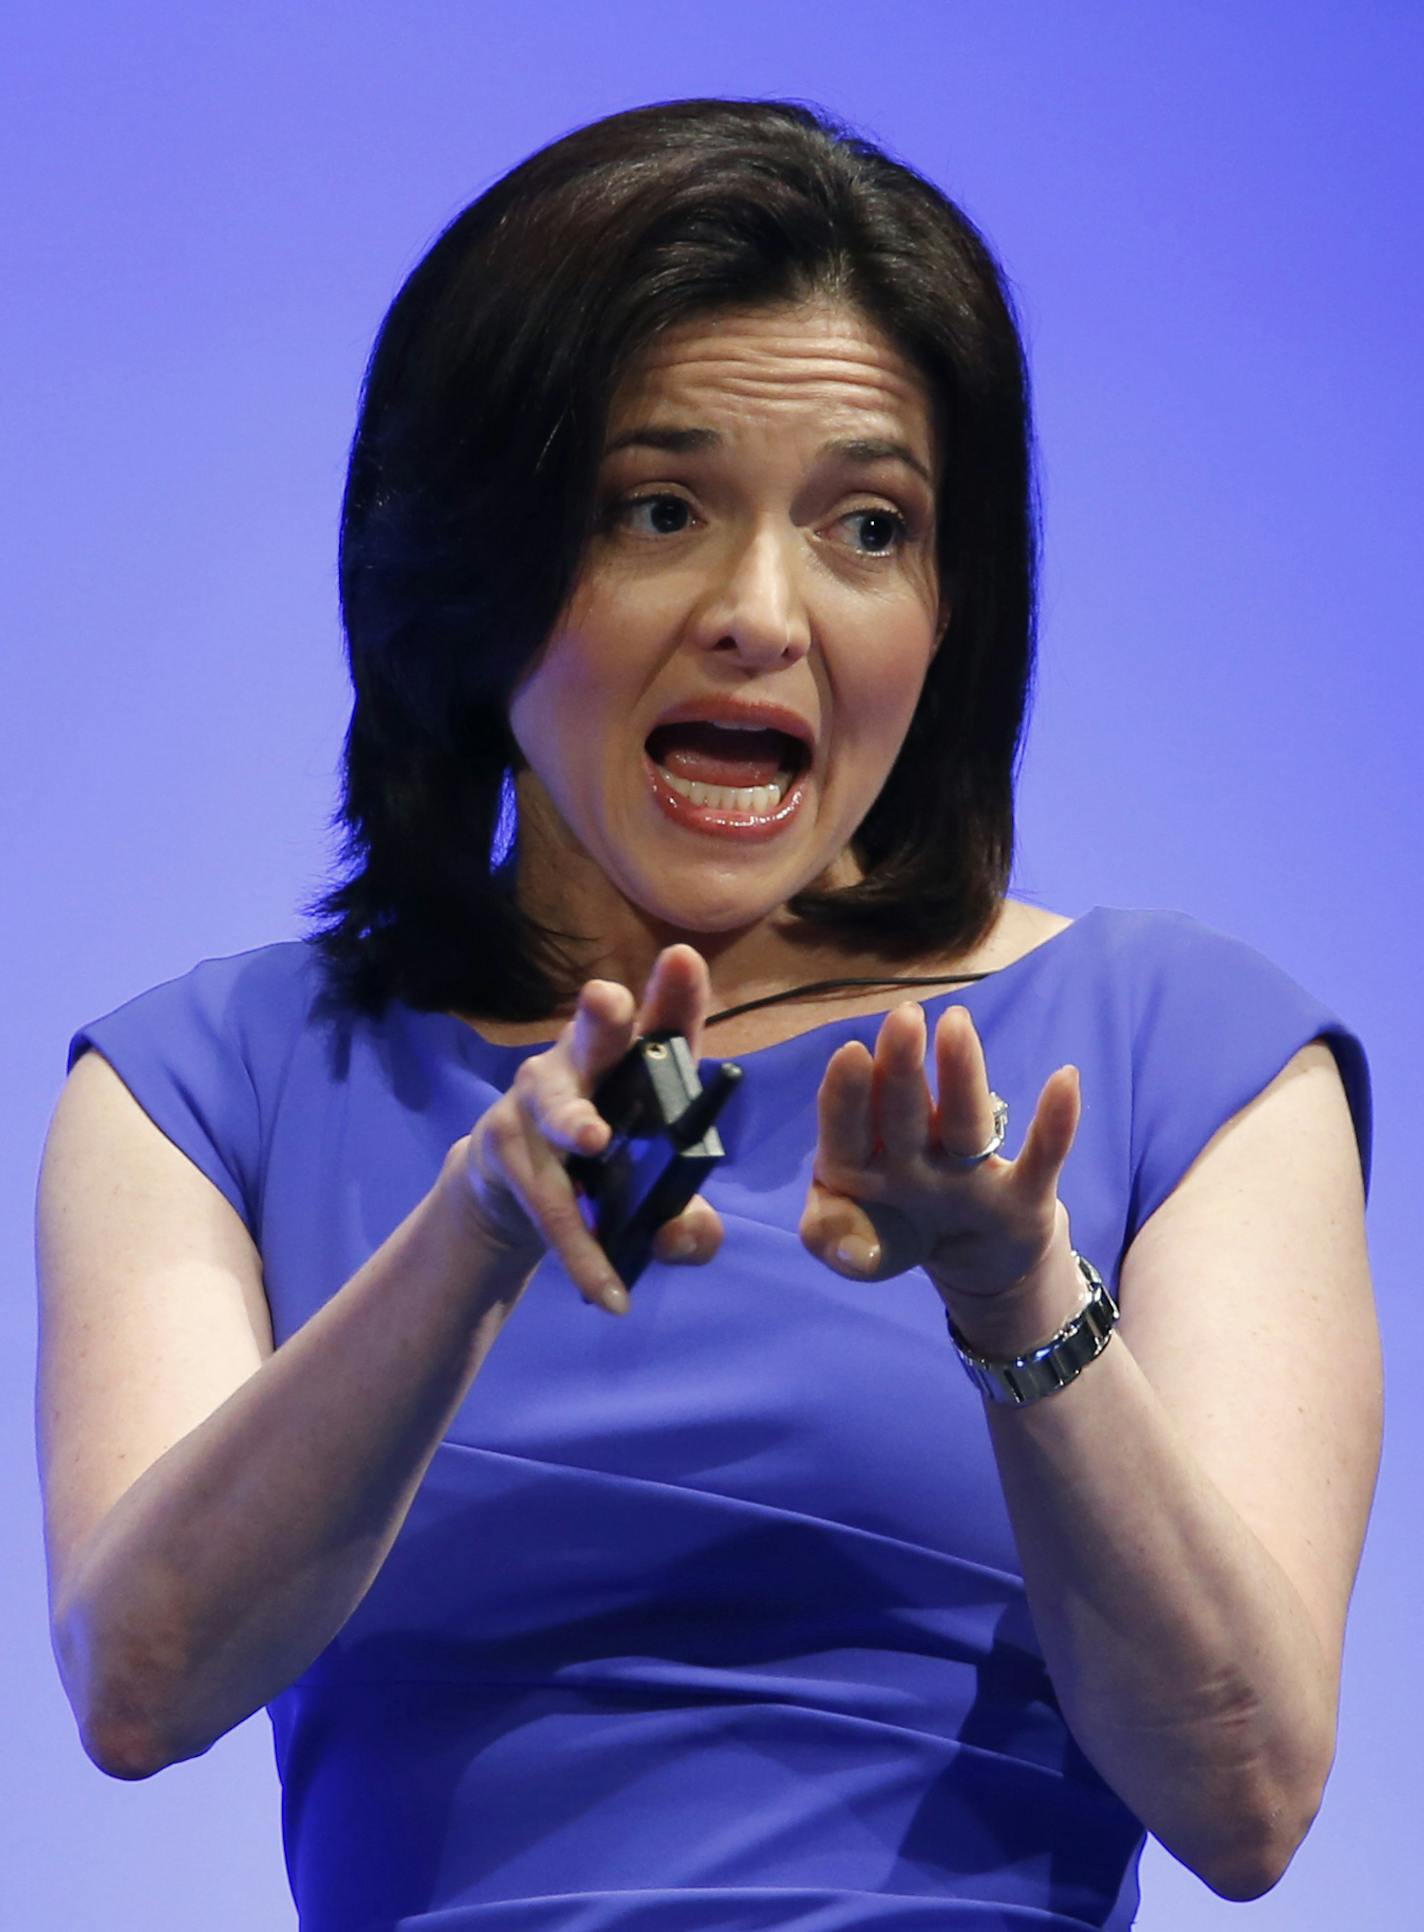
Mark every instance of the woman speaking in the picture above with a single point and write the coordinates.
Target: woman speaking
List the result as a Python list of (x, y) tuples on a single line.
[(976, 1475)]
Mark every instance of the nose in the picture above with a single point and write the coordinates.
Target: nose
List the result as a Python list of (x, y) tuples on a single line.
[(754, 607)]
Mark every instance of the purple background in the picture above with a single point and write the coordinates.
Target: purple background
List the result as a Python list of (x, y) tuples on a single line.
[(1211, 217)]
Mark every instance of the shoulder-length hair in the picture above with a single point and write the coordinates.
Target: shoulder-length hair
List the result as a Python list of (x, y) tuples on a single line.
[(471, 497)]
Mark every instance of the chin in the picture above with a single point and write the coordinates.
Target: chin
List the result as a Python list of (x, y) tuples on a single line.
[(724, 903), (707, 917), (732, 901)]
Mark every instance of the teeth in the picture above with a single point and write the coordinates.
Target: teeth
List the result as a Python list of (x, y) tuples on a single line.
[(759, 800)]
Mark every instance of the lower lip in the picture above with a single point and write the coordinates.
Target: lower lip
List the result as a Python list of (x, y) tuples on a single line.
[(717, 820)]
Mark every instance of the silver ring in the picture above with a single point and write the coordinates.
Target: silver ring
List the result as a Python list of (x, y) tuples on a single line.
[(996, 1139)]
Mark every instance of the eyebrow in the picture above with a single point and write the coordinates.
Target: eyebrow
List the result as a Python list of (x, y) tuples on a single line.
[(681, 442)]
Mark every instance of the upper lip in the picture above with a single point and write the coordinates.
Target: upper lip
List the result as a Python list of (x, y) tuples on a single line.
[(721, 709)]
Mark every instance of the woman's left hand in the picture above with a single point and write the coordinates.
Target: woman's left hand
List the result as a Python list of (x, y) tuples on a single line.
[(888, 1182)]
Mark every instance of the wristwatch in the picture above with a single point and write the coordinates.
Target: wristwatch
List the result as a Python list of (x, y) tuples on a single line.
[(1022, 1379)]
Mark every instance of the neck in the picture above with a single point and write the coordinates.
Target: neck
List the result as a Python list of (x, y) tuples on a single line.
[(754, 964), (559, 885), (775, 959)]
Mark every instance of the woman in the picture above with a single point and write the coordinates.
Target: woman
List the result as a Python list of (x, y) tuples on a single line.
[(689, 514)]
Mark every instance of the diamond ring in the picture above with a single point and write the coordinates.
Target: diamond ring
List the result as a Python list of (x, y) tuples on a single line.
[(996, 1139)]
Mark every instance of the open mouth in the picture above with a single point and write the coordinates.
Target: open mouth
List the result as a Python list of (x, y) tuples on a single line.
[(728, 768)]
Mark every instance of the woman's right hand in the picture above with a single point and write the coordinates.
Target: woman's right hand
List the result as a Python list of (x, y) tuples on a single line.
[(510, 1168)]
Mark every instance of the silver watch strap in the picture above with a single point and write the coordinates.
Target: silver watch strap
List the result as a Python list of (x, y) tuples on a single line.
[(1057, 1362)]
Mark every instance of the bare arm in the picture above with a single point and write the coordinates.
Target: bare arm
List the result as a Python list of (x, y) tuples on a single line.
[(219, 1571), (215, 1509), (1190, 1512)]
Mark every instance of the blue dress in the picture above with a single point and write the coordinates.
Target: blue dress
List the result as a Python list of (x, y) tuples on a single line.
[(709, 1619)]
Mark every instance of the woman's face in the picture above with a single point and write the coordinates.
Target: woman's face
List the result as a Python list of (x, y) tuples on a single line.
[(764, 565)]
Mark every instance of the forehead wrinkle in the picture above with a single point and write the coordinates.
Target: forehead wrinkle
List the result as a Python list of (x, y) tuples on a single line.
[(680, 440), (796, 341), (717, 369), (754, 373), (862, 403)]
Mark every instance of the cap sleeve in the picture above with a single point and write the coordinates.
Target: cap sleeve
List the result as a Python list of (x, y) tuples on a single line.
[(193, 1051), (1214, 1022)]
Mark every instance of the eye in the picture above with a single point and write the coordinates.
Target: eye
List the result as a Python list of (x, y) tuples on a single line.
[(881, 531), (658, 515)]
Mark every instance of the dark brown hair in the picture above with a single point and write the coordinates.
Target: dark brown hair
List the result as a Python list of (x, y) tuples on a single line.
[(471, 496)]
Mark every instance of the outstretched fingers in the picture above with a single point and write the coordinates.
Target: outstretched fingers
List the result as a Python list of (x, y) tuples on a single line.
[(1050, 1134), (845, 1148), (964, 1117), (845, 1109), (964, 1113), (903, 1107)]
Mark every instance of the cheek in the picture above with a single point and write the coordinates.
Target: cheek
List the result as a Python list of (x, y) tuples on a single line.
[(564, 718), (538, 717), (548, 706), (878, 700)]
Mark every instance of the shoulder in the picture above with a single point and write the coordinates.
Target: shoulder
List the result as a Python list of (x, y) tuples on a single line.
[(208, 1054), (1156, 935), (1210, 1022), (1113, 936), (1182, 984), (1122, 950), (1195, 990), (266, 988), (285, 973)]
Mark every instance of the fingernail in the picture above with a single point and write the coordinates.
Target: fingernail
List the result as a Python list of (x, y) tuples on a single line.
[(615, 1298), (856, 1252), (680, 1247)]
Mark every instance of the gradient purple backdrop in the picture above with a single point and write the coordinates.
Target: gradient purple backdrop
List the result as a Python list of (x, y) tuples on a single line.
[(1210, 216)]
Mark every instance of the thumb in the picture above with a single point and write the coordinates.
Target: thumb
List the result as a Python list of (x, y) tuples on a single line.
[(838, 1232)]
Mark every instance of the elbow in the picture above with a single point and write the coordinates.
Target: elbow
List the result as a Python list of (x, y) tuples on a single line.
[(120, 1751), (1235, 1799), (130, 1750), (115, 1718), (122, 1737), (1250, 1867), (1248, 1872), (1265, 1830), (124, 1742), (116, 1733)]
